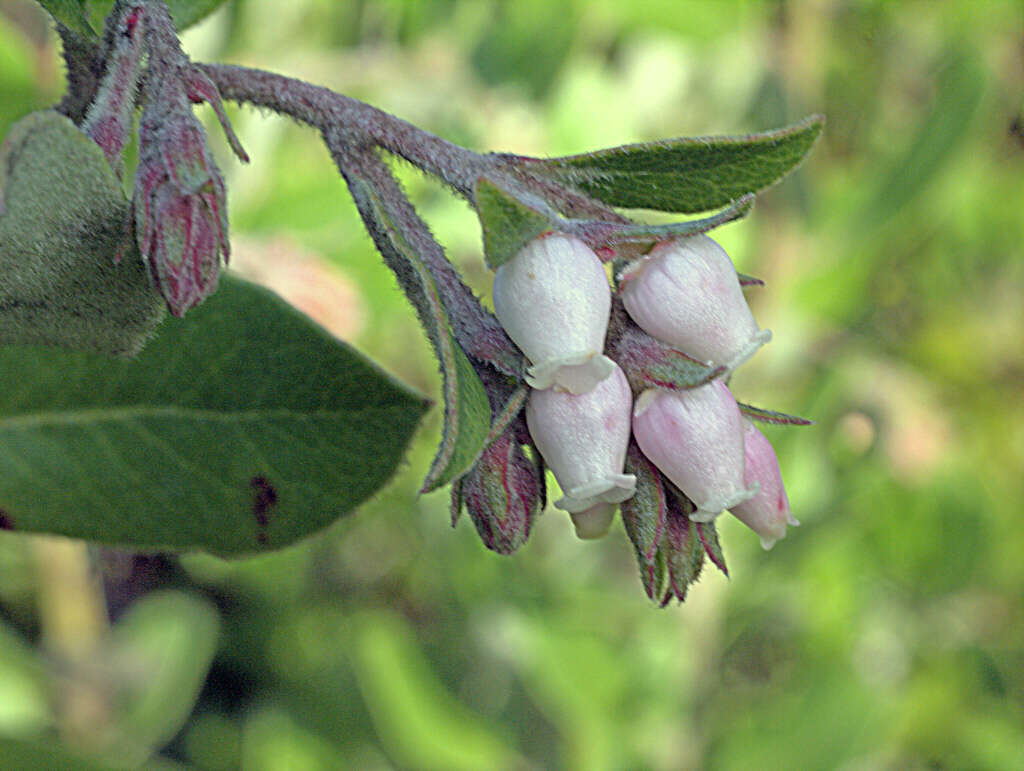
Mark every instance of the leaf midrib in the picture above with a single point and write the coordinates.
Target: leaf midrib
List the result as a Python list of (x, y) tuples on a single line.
[(94, 415)]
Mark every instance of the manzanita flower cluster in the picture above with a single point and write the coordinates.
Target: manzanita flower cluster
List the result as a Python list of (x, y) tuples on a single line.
[(701, 455), (616, 380)]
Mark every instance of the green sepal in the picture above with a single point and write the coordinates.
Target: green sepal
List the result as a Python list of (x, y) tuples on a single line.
[(508, 224), (63, 220), (685, 175), (708, 534), (770, 416)]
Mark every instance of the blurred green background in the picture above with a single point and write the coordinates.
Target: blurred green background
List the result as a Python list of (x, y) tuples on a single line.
[(885, 633)]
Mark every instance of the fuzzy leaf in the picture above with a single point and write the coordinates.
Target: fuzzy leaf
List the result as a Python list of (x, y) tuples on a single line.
[(769, 416), (708, 535), (508, 224), (746, 280), (185, 13), (684, 175), (63, 218), (467, 414), (72, 14), (243, 426)]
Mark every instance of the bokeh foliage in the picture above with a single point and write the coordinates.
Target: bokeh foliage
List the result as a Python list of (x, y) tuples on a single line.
[(887, 632)]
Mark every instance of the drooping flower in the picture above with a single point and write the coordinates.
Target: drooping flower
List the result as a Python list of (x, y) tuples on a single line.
[(767, 513), (686, 293), (553, 300), (583, 439), (695, 437)]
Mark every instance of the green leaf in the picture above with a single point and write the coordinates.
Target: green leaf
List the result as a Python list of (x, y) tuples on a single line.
[(508, 224), (770, 416), (72, 14), (63, 219), (17, 755), (185, 13), (685, 175), (467, 413), (240, 427)]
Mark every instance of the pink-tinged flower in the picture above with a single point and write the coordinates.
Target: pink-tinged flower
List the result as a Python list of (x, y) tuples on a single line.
[(696, 438), (181, 221), (583, 439), (553, 300), (502, 494), (686, 293), (767, 513)]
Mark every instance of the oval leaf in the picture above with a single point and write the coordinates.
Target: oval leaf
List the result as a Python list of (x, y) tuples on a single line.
[(70, 13), (467, 413), (243, 426), (685, 175), (63, 218)]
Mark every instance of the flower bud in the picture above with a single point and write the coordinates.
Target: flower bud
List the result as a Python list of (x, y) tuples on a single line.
[(696, 438), (502, 494), (180, 211), (686, 293), (767, 513), (553, 300), (583, 439)]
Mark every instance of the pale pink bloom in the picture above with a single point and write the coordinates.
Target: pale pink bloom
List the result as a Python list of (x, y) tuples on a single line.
[(553, 300), (695, 437), (767, 513), (686, 293), (583, 440)]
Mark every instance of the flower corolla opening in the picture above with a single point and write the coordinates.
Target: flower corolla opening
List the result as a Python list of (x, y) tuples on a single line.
[(583, 439)]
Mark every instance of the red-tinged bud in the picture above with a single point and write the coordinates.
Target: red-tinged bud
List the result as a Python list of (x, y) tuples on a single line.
[(180, 211), (583, 439), (109, 119), (767, 513), (502, 493), (687, 294), (696, 438)]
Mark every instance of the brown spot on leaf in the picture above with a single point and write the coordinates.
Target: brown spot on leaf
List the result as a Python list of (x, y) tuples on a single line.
[(264, 499)]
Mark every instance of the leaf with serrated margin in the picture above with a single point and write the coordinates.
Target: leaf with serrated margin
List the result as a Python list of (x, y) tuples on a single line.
[(770, 416), (467, 414), (72, 14), (241, 427), (507, 223), (684, 175)]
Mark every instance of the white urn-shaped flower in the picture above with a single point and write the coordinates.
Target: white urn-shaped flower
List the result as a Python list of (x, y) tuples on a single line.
[(686, 293), (553, 299), (583, 439), (695, 437)]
